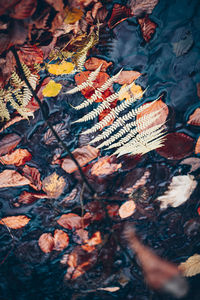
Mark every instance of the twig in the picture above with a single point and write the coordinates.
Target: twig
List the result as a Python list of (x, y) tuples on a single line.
[(64, 146), (10, 233)]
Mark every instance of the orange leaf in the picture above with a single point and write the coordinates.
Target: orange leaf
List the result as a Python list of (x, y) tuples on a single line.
[(46, 242), (93, 63), (197, 147), (194, 119), (82, 236), (93, 241), (9, 142), (10, 178), (127, 209), (70, 221), (126, 77), (53, 185), (61, 240), (104, 166), (18, 157), (15, 222), (83, 155)]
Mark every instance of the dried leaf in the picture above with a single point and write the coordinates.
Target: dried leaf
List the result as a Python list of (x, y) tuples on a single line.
[(53, 185), (10, 178), (73, 15), (127, 209), (104, 166), (197, 146), (113, 210), (60, 129), (46, 242), (147, 28), (34, 176), (194, 162), (83, 155), (18, 157), (52, 89), (30, 55), (62, 68), (24, 9), (194, 118), (70, 221), (82, 236), (179, 191), (9, 142), (93, 241), (29, 198), (93, 63), (61, 240), (15, 222), (191, 266), (138, 7), (109, 289), (119, 14), (127, 77)]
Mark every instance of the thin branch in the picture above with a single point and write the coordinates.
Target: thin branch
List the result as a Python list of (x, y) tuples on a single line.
[(64, 146)]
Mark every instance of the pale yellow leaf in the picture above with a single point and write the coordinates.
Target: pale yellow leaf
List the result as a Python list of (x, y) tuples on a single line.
[(63, 68), (52, 89), (109, 289), (191, 266), (127, 209), (53, 185)]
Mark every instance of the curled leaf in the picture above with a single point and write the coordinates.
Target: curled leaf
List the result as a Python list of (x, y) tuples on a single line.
[(63, 68), (15, 222), (127, 209), (52, 89), (147, 27), (18, 157), (191, 266), (53, 185)]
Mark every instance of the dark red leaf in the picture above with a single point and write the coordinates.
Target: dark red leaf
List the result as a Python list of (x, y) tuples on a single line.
[(93, 63), (9, 142), (29, 198), (34, 176), (119, 14), (96, 210), (177, 146), (147, 27), (30, 55), (24, 9)]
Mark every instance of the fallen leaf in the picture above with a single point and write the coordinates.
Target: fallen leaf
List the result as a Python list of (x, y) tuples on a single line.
[(70, 221), (34, 176), (61, 240), (194, 118), (93, 63), (71, 197), (83, 155), (9, 142), (15, 222), (197, 146), (184, 43), (62, 68), (135, 90), (72, 15), (104, 166), (113, 210), (191, 266), (52, 89), (194, 162), (147, 28), (179, 191), (10, 178), (18, 157), (29, 198), (14, 120), (106, 111), (49, 137), (127, 209), (177, 146), (126, 77), (57, 5), (93, 241), (109, 289), (46, 242), (119, 14), (138, 7), (30, 55), (81, 236), (24, 9), (53, 185), (96, 210)]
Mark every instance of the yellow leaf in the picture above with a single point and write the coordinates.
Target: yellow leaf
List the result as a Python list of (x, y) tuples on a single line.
[(62, 68), (135, 90), (125, 95), (73, 15), (52, 89), (191, 266), (53, 185)]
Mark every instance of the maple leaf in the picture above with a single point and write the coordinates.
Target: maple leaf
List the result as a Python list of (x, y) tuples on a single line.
[(53, 185), (52, 89)]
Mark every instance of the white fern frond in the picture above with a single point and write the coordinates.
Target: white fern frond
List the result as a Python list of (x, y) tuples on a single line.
[(109, 82), (27, 95)]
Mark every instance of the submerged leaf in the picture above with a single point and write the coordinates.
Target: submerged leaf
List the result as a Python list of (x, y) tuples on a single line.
[(138, 7), (147, 27), (191, 266), (53, 185), (15, 222), (52, 89), (60, 129)]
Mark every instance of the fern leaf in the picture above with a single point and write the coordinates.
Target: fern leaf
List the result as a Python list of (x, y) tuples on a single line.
[(27, 95), (16, 80), (4, 113), (109, 82)]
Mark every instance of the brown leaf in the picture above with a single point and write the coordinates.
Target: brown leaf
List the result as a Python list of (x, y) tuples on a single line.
[(93, 241), (93, 63), (127, 209), (70, 221), (60, 129), (10, 178), (197, 146), (191, 266), (126, 77), (28, 198), (6, 4), (147, 28), (53, 185), (30, 55), (24, 9), (194, 118), (138, 7), (194, 162), (9, 142), (119, 14), (57, 5), (18, 157), (83, 155), (15, 222), (104, 166), (71, 196), (61, 240), (34, 176), (82, 236), (46, 242), (11, 122), (96, 210)]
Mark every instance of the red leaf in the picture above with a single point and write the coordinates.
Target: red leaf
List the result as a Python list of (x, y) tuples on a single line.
[(30, 55), (147, 27), (93, 63), (197, 147), (34, 176), (9, 142), (105, 166), (61, 240), (10, 178), (177, 146), (93, 241), (96, 210), (15, 222), (18, 157), (29, 198), (70, 221), (106, 111), (119, 14), (46, 242), (113, 210), (24, 9), (194, 118)]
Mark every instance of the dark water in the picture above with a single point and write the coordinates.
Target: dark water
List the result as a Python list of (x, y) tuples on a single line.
[(170, 66)]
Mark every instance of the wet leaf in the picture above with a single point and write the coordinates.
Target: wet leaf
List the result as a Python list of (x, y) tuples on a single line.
[(197, 146), (60, 129), (194, 162), (62, 68), (83, 155), (53, 185), (104, 166), (24, 9), (135, 90), (113, 210), (70, 221), (15, 222), (29, 198), (177, 145), (147, 28), (96, 210), (9, 142), (11, 122), (61, 240), (191, 266), (18, 157), (34, 176), (127, 209), (46, 242), (82, 236), (30, 55), (184, 44), (194, 118), (93, 63), (119, 14), (198, 89), (109, 289), (126, 77), (138, 7), (52, 89), (73, 15), (10, 178)]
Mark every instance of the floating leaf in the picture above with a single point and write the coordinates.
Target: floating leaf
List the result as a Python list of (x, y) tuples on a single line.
[(52, 89), (177, 146), (18, 157), (191, 266), (15, 222), (194, 162), (61, 240), (127, 77), (72, 15), (34, 176), (46, 242), (119, 14), (197, 146), (10, 178), (179, 191), (53, 185), (105, 166), (93, 63), (109, 289), (194, 118), (9, 142), (127, 209), (62, 68), (70, 221), (147, 27)]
